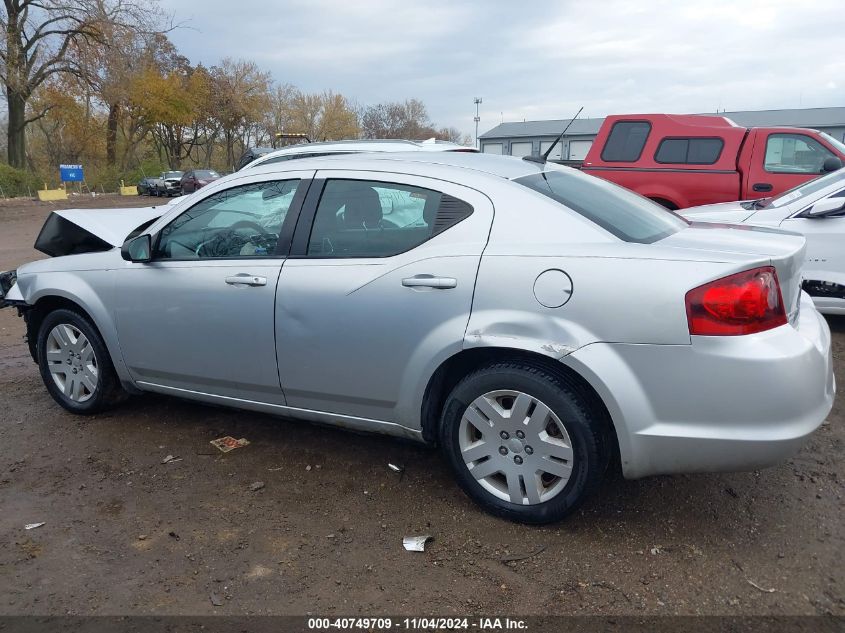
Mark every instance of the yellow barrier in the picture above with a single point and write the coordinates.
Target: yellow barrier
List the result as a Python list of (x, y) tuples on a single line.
[(51, 195), (128, 191)]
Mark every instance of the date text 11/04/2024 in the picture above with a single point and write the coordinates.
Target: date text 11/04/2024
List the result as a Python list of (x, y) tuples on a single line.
[(370, 624)]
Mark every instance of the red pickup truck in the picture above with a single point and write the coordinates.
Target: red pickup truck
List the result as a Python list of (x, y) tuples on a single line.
[(688, 160)]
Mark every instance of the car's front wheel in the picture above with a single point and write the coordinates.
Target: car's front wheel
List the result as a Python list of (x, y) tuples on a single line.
[(523, 442), (75, 364)]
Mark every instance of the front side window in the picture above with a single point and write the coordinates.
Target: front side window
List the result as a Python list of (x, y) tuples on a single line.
[(358, 218), (795, 154), (243, 221), (626, 141), (689, 151), (625, 214)]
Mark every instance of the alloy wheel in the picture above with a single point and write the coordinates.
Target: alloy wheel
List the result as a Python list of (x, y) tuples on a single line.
[(72, 362)]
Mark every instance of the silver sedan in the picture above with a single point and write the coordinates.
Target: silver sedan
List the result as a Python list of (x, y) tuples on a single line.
[(538, 324)]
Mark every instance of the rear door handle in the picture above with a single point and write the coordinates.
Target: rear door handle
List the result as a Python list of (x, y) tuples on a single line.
[(430, 281), (244, 279), (762, 186)]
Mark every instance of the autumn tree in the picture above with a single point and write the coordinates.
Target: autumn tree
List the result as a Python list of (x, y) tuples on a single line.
[(241, 94), (42, 40), (170, 103)]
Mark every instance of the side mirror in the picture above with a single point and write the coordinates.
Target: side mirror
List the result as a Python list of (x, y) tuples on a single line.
[(828, 206), (831, 163), (138, 249)]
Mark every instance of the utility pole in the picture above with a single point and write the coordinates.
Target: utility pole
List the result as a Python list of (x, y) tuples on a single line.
[(477, 102)]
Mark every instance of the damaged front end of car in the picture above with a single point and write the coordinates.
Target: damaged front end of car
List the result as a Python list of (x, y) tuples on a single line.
[(9, 294)]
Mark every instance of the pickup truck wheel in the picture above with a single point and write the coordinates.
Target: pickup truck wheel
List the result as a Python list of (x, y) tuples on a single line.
[(75, 364), (522, 442)]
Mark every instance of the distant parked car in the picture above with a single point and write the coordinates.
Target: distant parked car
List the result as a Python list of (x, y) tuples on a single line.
[(169, 183), (146, 186), (197, 179), (251, 154), (333, 148), (816, 209)]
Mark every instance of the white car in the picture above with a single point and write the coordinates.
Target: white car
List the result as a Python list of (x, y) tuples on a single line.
[(815, 209), (329, 148)]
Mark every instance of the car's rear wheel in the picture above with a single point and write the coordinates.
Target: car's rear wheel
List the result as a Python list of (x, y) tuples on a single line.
[(523, 442), (75, 364)]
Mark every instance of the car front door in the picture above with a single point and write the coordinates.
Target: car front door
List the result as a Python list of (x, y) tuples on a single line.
[(825, 243), (377, 291), (199, 316), (782, 161)]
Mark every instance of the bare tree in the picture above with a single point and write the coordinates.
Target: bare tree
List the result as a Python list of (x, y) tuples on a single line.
[(408, 120), (43, 39)]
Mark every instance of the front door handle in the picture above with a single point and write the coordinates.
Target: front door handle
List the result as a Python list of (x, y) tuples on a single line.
[(244, 279), (762, 186), (429, 281)]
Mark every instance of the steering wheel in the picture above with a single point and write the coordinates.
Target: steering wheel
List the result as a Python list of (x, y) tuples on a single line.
[(249, 224)]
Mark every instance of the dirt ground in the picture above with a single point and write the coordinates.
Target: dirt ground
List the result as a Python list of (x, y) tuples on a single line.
[(126, 534)]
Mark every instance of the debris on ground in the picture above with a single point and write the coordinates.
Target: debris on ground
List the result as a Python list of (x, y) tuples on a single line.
[(416, 543), (173, 535), (171, 458), (32, 526), (142, 537), (516, 557), (395, 468), (229, 443), (216, 600), (256, 485), (756, 586)]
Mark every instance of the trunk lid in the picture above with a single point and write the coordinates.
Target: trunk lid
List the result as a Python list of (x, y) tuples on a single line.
[(782, 249)]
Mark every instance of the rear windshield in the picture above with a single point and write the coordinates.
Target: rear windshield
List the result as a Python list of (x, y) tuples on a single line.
[(625, 214)]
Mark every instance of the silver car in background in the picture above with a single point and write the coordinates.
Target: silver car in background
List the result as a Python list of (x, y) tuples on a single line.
[(366, 146), (535, 322), (816, 209)]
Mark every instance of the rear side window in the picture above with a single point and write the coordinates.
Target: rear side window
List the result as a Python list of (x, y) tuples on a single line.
[(689, 151), (626, 141), (625, 214), (359, 218)]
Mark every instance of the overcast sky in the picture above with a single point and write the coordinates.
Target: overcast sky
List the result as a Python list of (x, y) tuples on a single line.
[(534, 60)]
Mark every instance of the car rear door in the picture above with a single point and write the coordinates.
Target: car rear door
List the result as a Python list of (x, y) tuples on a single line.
[(199, 318), (377, 291)]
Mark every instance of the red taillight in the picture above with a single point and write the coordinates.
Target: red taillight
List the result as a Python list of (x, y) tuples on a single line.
[(743, 303)]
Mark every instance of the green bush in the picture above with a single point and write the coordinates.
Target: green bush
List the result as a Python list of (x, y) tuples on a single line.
[(18, 182)]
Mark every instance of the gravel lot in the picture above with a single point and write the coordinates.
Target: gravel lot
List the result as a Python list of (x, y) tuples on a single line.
[(126, 534)]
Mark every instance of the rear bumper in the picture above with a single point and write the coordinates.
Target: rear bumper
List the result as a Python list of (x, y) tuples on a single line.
[(718, 404)]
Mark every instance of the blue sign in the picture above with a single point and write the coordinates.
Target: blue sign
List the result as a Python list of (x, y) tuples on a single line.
[(71, 173)]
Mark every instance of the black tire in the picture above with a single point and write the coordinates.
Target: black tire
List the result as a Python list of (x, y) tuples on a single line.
[(587, 432), (107, 391)]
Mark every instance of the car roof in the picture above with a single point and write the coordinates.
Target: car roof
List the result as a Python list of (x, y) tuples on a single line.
[(363, 146), (421, 163)]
